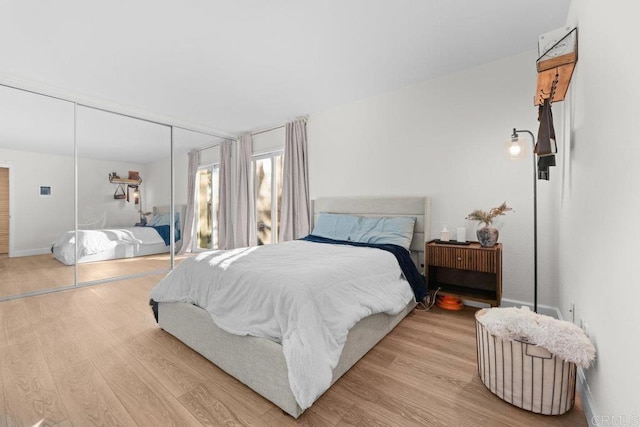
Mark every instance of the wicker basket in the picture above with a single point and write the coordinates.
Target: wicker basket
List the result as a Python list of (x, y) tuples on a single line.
[(525, 375)]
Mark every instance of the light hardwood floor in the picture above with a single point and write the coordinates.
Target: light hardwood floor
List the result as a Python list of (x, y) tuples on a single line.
[(20, 275), (94, 356)]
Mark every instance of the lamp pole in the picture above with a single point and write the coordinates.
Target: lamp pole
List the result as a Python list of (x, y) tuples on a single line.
[(535, 217)]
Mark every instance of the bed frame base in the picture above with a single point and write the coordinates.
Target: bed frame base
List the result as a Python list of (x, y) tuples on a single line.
[(258, 362)]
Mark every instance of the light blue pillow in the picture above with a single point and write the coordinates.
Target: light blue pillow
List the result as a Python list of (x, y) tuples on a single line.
[(397, 230), (164, 219), (336, 226)]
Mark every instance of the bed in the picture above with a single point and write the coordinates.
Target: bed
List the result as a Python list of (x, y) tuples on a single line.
[(261, 362), (116, 243)]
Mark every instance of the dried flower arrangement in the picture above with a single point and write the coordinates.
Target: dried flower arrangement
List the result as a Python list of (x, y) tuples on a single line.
[(488, 217)]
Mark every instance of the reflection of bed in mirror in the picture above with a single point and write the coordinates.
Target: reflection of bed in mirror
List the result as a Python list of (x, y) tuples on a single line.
[(122, 242)]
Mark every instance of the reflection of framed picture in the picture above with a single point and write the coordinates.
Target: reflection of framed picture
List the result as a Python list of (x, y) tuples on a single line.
[(45, 191)]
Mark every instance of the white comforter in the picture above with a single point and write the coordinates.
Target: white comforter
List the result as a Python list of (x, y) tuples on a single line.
[(95, 241), (305, 295)]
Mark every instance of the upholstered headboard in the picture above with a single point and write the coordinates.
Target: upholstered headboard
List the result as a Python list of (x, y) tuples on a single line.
[(418, 207)]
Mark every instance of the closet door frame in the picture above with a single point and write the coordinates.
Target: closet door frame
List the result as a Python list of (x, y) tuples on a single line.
[(77, 104)]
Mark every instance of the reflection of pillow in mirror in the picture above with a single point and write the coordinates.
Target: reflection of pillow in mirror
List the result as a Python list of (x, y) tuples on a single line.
[(163, 219), (160, 219)]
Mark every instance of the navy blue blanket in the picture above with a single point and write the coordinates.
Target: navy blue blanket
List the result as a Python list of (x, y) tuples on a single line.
[(407, 266), (165, 232)]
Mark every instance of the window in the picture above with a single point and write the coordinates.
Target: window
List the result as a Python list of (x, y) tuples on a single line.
[(267, 173), (206, 211)]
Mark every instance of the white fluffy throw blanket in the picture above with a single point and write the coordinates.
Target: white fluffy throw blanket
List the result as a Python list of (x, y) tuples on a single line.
[(561, 338)]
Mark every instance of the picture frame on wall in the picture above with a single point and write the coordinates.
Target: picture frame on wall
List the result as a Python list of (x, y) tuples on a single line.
[(45, 191)]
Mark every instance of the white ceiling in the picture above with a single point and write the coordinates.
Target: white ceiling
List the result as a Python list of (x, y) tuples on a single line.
[(30, 122), (234, 66)]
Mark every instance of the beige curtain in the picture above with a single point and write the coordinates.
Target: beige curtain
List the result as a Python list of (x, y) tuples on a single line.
[(187, 221), (295, 211), (245, 222), (225, 216)]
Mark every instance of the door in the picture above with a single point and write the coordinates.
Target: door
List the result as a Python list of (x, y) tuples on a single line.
[(4, 210)]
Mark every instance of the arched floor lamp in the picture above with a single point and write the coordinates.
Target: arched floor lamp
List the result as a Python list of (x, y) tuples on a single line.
[(516, 150)]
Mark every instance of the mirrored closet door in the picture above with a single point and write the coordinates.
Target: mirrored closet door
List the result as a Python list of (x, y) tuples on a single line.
[(36, 192), (124, 187), (86, 194)]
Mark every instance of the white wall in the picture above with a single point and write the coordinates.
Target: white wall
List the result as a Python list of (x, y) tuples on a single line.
[(38, 221), (599, 204), (158, 184), (96, 206), (272, 140), (445, 139)]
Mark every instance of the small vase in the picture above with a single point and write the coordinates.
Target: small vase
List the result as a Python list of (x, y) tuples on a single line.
[(487, 236)]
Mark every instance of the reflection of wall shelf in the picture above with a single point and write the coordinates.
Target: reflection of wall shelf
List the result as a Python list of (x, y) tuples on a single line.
[(120, 192), (126, 181)]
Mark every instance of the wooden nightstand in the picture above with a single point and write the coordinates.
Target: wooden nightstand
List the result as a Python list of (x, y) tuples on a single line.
[(469, 272)]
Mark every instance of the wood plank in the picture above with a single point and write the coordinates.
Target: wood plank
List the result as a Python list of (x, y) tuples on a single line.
[(409, 405), (30, 392), (3, 406), (332, 406), (14, 323), (369, 414), (568, 58), (172, 347), (59, 348), (450, 390), (173, 374), (4, 210), (146, 400), (453, 382), (20, 275), (212, 406), (88, 398), (422, 373), (545, 83), (276, 418), (32, 273), (176, 349), (125, 181)]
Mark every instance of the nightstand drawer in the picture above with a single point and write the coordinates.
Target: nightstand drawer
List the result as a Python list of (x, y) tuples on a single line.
[(462, 258), (469, 271)]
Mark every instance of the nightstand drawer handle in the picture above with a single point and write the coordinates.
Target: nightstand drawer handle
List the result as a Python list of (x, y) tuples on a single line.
[(459, 259)]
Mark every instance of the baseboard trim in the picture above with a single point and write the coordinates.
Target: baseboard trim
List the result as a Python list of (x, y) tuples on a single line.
[(542, 309), (588, 405), (30, 252)]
